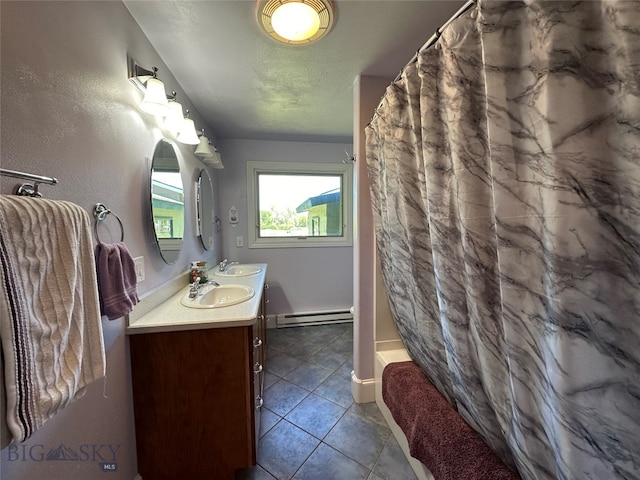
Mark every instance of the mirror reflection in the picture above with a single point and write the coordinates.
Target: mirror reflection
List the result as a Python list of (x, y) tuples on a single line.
[(205, 220), (167, 201)]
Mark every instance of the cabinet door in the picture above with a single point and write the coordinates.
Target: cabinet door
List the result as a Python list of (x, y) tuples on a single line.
[(193, 403)]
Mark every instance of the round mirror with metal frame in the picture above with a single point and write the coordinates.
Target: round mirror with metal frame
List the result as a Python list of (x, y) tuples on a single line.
[(167, 201), (204, 211)]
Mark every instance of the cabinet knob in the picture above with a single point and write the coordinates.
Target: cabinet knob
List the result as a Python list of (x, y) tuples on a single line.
[(257, 367), (258, 402), (266, 286), (257, 342)]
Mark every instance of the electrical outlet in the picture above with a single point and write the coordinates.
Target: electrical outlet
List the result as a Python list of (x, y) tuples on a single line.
[(139, 263), (240, 241)]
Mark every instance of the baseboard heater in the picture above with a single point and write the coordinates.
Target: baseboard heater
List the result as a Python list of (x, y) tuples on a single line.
[(313, 318)]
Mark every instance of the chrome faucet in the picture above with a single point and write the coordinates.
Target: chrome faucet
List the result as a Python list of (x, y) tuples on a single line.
[(223, 265), (195, 287)]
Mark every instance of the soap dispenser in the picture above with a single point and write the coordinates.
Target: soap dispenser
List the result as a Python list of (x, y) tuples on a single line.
[(198, 269)]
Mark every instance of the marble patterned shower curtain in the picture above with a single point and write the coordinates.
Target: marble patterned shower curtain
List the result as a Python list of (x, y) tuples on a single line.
[(505, 180)]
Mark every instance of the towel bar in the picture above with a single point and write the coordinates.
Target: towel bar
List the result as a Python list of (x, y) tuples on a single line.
[(100, 212), (28, 189)]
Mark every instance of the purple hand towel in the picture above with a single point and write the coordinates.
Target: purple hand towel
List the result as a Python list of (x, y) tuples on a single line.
[(117, 282)]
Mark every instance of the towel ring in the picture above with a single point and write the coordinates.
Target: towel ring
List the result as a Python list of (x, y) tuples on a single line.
[(100, 212)]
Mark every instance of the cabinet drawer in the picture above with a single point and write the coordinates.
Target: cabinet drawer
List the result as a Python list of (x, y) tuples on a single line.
[(257, 367)]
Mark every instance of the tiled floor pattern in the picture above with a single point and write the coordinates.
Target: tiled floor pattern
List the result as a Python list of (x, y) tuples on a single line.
[(311, 428)]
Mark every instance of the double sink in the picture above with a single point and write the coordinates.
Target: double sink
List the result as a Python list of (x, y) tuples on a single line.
[(214, 295)]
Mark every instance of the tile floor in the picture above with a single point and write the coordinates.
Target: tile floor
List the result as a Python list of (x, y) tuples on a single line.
[(311, 428)]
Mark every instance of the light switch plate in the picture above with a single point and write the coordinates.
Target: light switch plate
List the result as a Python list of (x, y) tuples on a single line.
[(240, 241), (139, 263)]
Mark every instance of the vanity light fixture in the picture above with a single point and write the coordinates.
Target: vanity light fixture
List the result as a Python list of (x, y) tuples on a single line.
[(216, 161), (174, 121), (203, 150), (155, 98), (158, 103), (188, 133), (296, 22)]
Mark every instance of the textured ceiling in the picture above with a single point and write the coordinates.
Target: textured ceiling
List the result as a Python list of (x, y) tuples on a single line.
[(247, 85)]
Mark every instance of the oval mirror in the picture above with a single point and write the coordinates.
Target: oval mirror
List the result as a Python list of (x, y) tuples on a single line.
[(204, 212), (167, 201)]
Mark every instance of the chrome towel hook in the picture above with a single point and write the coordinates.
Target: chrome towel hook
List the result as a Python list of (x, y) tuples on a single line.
[(350, 157), (100, 212)]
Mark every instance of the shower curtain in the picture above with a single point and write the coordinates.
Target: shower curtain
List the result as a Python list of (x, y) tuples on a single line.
[(505, 181)]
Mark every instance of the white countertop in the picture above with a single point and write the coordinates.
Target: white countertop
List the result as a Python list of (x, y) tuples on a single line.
[(170, 315)]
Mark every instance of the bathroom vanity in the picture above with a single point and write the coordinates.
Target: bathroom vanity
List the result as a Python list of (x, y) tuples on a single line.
[(197, 385)]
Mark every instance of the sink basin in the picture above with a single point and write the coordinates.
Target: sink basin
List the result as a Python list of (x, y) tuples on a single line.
[(238, 270), (220, 296)]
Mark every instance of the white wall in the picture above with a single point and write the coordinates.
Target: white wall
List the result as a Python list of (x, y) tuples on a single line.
[(69, 111), (300, 279)]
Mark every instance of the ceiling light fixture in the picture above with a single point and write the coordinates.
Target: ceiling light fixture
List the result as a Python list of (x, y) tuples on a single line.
[(296, 22)]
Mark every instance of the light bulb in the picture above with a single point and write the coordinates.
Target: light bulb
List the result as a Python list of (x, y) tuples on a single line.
[(295, 21)]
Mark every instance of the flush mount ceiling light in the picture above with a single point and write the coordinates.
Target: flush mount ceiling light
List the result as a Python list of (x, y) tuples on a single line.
[(296, 22)]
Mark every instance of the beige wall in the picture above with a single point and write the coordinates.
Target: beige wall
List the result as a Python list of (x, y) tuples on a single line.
[(69, 111)]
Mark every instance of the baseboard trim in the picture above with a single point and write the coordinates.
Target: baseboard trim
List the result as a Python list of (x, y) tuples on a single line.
[(363, 390)]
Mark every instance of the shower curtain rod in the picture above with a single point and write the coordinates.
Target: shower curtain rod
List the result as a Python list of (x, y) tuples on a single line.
[(468, 4), (435, 36)]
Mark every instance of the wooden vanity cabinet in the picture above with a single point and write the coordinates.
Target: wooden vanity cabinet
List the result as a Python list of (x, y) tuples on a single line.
[(197, 397)]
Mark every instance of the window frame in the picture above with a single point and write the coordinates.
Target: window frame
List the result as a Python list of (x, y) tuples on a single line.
[(255, 168)]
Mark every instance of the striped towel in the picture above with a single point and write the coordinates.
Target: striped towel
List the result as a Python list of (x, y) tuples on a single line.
[(50, 325)]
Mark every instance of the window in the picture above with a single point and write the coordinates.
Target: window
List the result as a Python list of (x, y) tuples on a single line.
[(299, 205)]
